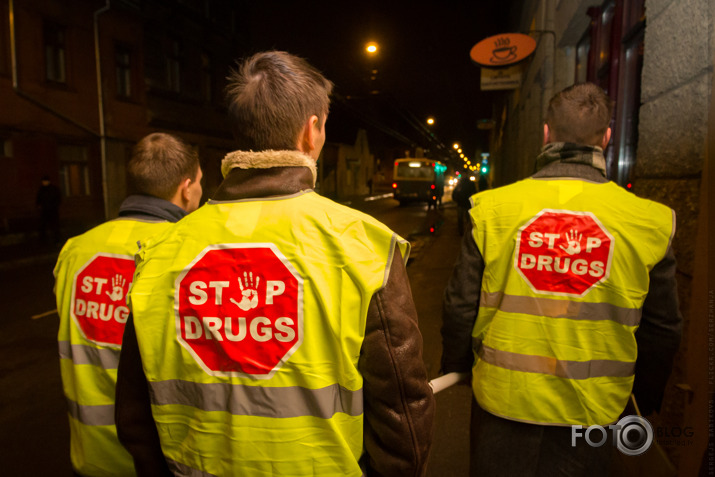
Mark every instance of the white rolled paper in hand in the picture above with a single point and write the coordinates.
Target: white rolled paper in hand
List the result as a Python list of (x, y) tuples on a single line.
[(449, 379)]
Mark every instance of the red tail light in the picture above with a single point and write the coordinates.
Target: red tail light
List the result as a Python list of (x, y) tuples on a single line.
[(394, 185)]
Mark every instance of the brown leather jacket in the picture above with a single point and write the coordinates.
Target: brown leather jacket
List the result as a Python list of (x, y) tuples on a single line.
[(398, 403)]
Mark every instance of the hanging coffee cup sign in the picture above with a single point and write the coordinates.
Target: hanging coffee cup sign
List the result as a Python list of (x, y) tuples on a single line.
[(502, 50)]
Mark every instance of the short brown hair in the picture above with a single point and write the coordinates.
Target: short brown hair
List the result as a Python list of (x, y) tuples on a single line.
[(270, 96), (159, 163), (579, 114)]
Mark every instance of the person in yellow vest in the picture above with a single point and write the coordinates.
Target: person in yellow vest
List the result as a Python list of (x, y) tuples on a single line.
[(273, 332), (564, 293), (92, 276)]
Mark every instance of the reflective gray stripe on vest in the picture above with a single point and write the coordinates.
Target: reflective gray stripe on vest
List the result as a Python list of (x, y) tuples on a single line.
[(102, 415), (293, 401), (555, 367), (573, 310), (183, 470), (107, 358)]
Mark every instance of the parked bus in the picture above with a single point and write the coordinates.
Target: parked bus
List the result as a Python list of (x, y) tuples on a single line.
[(418, 180)]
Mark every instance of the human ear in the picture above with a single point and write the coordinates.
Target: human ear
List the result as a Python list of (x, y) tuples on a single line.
[(306, 142), (606, 139), (184, 187)]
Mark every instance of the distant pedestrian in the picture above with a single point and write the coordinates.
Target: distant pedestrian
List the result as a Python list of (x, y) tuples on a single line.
[(563, 301), (483, 182), (48, 202), (92, 278), (461, 194)]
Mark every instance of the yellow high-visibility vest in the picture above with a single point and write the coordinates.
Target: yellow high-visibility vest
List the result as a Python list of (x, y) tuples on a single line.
[(250, 316), (567, 267), (92, 276)]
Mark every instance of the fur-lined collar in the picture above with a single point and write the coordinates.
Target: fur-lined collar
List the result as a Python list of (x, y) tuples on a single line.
[(267, 160)]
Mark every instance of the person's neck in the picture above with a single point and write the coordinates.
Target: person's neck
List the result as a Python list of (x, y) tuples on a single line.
[(570, 153)]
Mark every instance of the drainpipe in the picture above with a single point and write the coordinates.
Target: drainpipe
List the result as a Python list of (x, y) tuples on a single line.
[(100, 103), (16, 81), (547, 25)]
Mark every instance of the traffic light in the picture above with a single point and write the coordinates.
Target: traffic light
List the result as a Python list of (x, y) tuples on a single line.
[(484, 167)]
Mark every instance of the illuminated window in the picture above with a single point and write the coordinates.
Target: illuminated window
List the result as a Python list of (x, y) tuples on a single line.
[(74, 170), (5, 148)]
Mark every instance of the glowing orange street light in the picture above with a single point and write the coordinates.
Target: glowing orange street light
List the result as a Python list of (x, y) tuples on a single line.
[(371, 48)]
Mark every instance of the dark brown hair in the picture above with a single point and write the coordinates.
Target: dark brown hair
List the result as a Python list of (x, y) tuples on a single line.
[(159, 163), (579, 114), (270, 97)]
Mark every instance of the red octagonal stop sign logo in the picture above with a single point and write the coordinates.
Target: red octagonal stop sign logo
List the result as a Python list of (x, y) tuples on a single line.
[(99, 290), (561, 252), (240, 309)]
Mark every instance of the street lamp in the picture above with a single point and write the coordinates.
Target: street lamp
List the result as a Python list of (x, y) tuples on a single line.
[(455, 145), (371, 48), (430, 120)]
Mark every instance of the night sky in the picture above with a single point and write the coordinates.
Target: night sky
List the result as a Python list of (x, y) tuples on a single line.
[(423, 65)]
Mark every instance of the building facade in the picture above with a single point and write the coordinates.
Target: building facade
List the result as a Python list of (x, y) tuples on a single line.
[(81, 81), (655, 60)]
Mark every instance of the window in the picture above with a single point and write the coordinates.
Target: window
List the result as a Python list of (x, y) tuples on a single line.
[(206, 78), (4, 45), (123, 62), (173, 66), (5, 148), (74, 170), (54, 37)]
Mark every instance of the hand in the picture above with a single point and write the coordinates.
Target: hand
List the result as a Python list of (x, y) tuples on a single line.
[(574, 243), (249, 294), (117, 288)]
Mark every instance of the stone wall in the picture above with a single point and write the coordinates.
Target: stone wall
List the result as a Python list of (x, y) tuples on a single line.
[(676, 93)]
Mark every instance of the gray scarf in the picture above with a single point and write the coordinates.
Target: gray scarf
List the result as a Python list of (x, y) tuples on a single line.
[(566, 152)]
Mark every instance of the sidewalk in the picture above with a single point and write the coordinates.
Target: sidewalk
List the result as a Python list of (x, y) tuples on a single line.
[(21, 254)]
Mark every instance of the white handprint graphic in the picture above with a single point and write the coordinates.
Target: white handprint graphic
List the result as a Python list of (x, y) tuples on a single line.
[(249, 293), (117, 288), (574, 242)]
